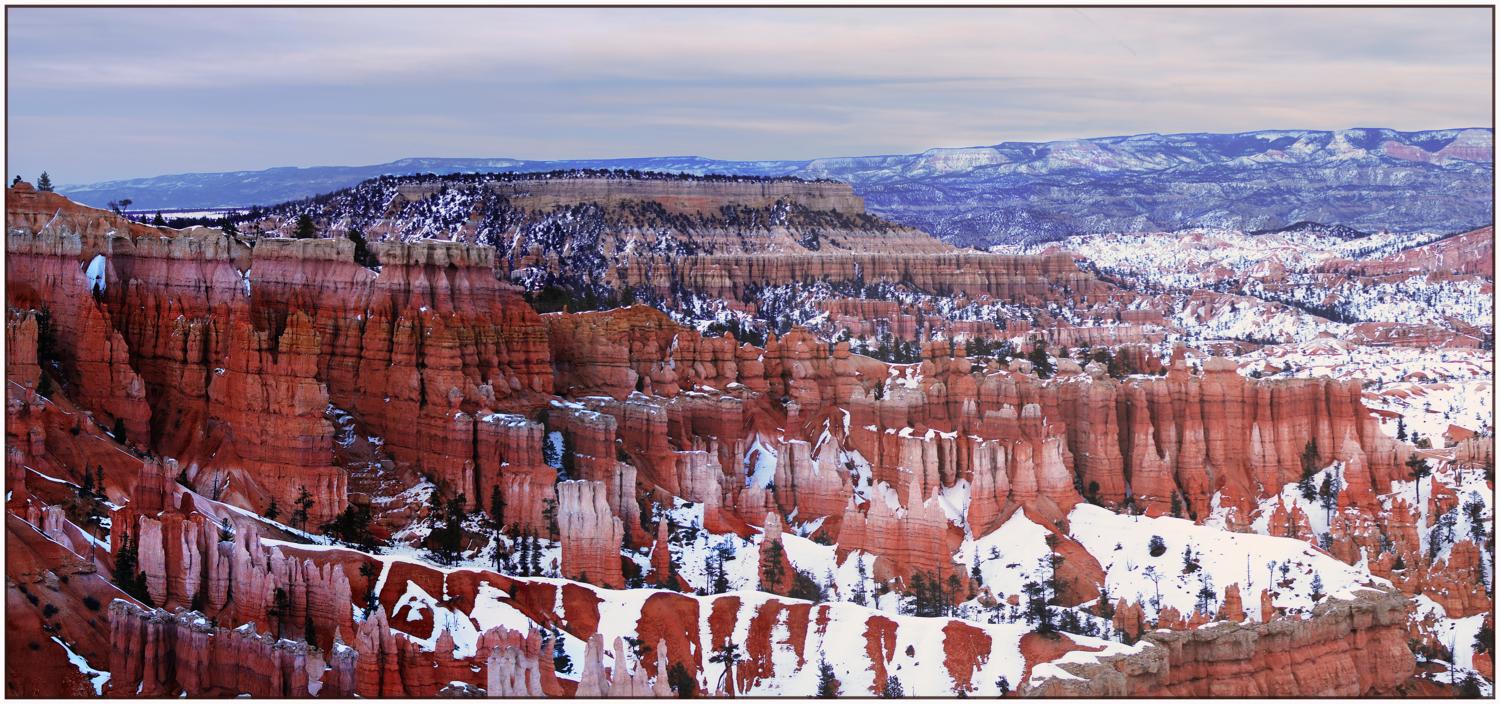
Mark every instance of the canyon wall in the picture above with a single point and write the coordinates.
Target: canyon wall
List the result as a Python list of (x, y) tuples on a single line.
[(1353, 648), (248, 347), (228, 369), (675, 197), (1000, 276)]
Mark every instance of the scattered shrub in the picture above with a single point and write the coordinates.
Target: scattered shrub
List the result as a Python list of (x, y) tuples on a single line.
[(1158, 546), (682, 683)]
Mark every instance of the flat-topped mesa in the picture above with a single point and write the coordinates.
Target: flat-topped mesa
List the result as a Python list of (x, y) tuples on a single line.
[(677, 197), (1002, 276)]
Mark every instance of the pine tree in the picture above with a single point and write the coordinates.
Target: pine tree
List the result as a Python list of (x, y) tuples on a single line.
[(534, 560), (369, 571), (446, 539), (497, 507), (712, 570), (828, 684), (1157, 546), (1176, 505), (306, 230), (43, 182), (273, 510), (560, 660), (281, 607), (159, 221), (1206, 596), (362, 254), (549, 514), (771, 569), (727, 654), (352, 526), (1309, 470), (920, 606), (1039, 359), (16, 181), (1419, 471), (568, 458), (892, 688), (859, 587), (128, 576), (523, 548), (551, 455), (309, 632), (1328, 495), (1469, 687), (304, 504), (1401, 429), (88, 481), (1121, 365), (681, 682)]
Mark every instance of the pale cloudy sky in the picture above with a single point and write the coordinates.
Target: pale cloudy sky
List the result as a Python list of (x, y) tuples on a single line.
[(107, 93)]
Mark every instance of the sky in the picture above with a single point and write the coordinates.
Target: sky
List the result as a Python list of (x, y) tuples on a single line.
[(96, 94)]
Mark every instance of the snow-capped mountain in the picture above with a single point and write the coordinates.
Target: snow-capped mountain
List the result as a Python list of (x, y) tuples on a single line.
[(1365, 179)]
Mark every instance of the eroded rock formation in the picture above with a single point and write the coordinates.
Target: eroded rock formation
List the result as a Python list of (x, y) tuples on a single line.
[(1347, 649)]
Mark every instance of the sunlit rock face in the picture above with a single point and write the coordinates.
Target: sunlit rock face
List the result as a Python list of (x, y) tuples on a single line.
[(640, 486)]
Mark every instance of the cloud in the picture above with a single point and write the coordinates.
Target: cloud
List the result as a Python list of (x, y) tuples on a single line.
[(97, 93)]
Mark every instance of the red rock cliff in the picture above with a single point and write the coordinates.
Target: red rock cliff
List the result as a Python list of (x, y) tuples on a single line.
[(1347, 649)]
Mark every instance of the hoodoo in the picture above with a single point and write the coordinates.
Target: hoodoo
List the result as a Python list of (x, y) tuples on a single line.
[(615, 435)]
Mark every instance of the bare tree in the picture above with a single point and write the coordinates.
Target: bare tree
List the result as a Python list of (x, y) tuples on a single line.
[(1155, 577)]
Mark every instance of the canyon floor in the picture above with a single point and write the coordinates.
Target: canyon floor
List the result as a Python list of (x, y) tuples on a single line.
[(612, 434)]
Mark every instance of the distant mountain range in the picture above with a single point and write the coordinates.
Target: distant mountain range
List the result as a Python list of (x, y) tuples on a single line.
[(1363, 179)]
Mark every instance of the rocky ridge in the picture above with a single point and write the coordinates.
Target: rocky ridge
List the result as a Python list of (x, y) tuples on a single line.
[(1026, 191), (673, 438)]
